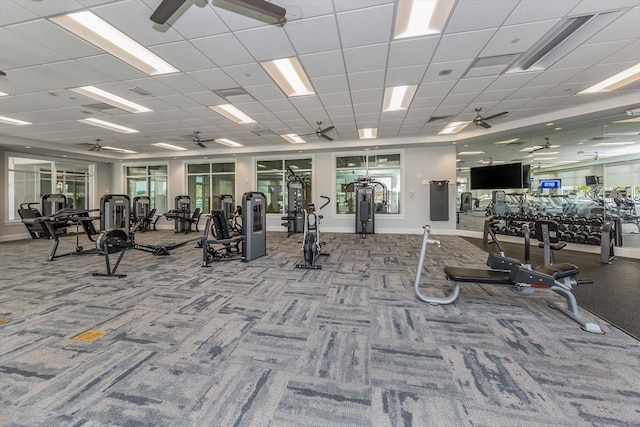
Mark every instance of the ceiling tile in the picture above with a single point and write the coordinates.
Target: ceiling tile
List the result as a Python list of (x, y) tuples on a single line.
[(445, 71), (590, 6), (590, 54), (47, 8), (625, 27), (405, 75), (372, 57), (365, 26), (473, 85), (213, 79), (460, 46), (366, 80), (414, 51), (182, 83), (265, 92), (197, 20), (223, 50), (278, 47), (330, 84), (183, 56), (530, 11), (13, 13), (304, 34), (115, 68), (517, 38), (19, 52), (248, 74), (323, 64), (471, 15)]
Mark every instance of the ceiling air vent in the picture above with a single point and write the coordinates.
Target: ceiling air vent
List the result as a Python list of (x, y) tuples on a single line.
[(102, 107), (562, 39), (234, 94), (490, 65)]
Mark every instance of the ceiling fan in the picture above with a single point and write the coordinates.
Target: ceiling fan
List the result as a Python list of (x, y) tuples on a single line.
[(199, 141), (259, 9), (321, 133), (544, 146), (482, 121), (97, 147)]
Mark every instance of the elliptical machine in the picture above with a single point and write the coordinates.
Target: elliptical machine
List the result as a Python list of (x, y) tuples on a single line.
[(311, 244)]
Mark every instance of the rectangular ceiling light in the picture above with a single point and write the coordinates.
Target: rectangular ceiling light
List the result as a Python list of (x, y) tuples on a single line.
[(119, 150), (562, 39), (107, 125), (398, 97), (634, 120), (293, 138), (470, 153), (623, 78), (228, 142), (3, 94), (10, 121), (507, 141), (232, 113), (612, 144), (111, 99), (289, 75), (169, 146), (368, 133), (453, 127), (419, 17), (98, 32)]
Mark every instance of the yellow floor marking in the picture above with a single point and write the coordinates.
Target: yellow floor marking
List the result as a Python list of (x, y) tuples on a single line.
[(89, 335), (4, 320)]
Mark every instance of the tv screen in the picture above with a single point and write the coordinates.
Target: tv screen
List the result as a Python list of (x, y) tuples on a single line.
[(550, 183), (497, 177), (590, 180)]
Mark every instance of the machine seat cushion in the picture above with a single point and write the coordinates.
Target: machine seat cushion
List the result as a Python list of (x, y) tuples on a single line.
[(477, 275), (559, 270), (554, 246)]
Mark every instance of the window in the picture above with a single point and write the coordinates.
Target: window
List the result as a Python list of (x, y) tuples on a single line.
[(210, 180), (29, 179), (272, 181), (382, 168), (150, 181)]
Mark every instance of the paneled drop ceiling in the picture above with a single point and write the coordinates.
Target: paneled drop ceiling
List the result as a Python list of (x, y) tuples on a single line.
[(347, 50)]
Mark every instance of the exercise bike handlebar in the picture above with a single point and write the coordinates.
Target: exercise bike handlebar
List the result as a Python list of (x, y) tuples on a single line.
[(325, 203)]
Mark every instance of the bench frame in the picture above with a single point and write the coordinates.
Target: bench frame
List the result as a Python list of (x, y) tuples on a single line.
[(520, 278)]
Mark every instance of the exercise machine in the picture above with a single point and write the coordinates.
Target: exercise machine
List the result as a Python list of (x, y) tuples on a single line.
[(254, 225), (365, 203), (52, 203), (296, 202), (559, 278), (232, 213), (311, 244), (115, 212), (142, 214), (119, 238), (216, 232)]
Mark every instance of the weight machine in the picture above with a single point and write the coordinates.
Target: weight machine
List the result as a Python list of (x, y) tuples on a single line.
[(296, 202), (365, 202)]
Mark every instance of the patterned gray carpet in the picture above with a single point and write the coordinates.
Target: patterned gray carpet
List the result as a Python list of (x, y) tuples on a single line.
[(265, 344)]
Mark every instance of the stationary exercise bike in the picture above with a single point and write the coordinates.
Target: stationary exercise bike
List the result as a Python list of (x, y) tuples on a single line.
[(311, 245)]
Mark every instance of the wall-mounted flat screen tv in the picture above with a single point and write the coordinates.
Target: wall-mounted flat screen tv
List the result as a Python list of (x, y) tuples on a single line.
[(550, 183), (495, 177)]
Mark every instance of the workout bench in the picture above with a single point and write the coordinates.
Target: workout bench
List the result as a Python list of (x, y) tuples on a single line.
[(559, 278)]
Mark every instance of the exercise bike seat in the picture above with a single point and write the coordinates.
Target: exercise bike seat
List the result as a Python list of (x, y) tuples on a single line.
[(477, 275)]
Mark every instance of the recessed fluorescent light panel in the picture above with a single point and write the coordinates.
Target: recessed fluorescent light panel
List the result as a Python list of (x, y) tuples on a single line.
[(612, 144), (3, 94), (453, 127), (293, 138), (98, 32), (289, 75), (232, 113), (10, 121), (107, 125), (111, 99), (169, 146), (419, 17), (562, 39), (119, 150), (398, 97), (507, 141), (634, 120), (470, 153), (368, 133), (228, 142), (623, 78)]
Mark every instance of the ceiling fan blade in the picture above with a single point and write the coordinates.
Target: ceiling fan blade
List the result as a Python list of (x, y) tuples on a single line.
[(206, 140), (327, 129), (258, 9), (165, 10), (483, 124), (327, 137), (496, 115), (200, 144)]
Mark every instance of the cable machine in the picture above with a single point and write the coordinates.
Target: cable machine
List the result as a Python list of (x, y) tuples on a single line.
[(296, 202), (365, 190)]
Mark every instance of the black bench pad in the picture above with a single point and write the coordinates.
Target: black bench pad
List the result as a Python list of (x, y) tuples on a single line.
[(477, 275)]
